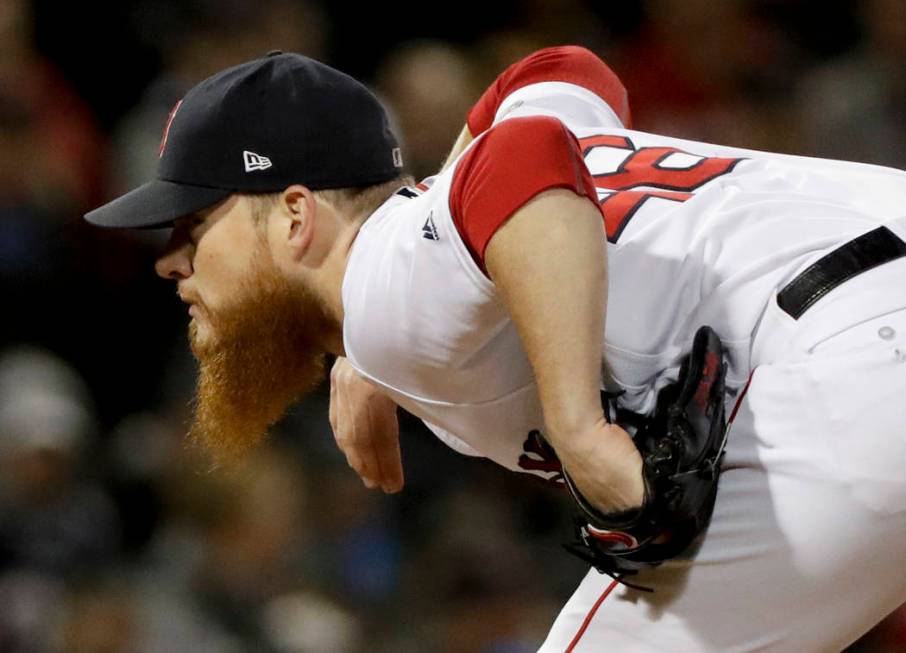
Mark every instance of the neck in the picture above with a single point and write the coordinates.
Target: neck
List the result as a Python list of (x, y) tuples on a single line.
[(333, 272), (335, 266)]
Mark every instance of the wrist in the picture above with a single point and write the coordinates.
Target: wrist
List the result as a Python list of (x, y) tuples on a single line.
[(577, 435), (594, 438), (605, 466)]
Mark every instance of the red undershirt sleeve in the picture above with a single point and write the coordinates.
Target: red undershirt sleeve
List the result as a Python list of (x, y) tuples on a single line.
[(516, 160), (568, 63)]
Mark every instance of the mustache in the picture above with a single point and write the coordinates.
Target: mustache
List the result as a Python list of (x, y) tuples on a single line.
[(188, 296)]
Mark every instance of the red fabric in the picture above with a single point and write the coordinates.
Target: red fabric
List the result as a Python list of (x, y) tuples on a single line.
[(516, 160), (742, 395), (567, 63), (590, 616)]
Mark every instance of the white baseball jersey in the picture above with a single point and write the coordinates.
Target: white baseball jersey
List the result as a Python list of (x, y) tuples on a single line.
[(806, 548), (697, 234)]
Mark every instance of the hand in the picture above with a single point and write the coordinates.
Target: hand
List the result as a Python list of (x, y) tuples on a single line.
[(604, 465), (366, 429)]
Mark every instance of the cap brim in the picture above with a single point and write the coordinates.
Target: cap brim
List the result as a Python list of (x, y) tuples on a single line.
[(155, 204)]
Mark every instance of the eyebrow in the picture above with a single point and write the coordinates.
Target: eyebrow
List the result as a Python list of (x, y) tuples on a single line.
[(189, 216)]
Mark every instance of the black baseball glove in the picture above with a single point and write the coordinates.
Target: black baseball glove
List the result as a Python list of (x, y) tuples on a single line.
[(681, 445)]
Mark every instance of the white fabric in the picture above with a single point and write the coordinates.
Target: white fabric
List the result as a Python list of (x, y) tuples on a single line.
[(806, 548), (807, 545)]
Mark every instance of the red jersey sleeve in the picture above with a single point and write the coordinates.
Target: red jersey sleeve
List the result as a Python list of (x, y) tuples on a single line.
[(567, 63), (516, 160)]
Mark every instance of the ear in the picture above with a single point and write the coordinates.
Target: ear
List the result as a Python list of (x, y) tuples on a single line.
[(299, 208)]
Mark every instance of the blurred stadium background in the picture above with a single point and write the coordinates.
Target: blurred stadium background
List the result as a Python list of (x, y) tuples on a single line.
[(111, 540)]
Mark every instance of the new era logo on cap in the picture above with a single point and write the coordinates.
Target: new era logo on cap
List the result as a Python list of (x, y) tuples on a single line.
[(255, 161)]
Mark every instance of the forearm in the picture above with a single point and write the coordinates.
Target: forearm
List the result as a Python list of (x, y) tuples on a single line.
[(548, 263)]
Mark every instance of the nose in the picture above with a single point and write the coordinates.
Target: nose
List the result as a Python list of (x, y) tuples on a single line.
[(176, 261)]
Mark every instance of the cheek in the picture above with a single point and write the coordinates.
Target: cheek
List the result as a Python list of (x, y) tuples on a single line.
[(219, 271)]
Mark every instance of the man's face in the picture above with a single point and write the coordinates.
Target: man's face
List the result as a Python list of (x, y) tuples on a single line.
[(254, 331), (209, 255)]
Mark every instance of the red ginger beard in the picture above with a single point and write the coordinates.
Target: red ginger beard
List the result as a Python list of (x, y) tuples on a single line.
[(262, 355)]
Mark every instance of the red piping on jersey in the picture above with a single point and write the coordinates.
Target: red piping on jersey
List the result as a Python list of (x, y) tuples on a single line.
[(589, 616), (741, 397)]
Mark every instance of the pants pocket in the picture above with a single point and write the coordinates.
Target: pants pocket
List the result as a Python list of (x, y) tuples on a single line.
[(857, 381)]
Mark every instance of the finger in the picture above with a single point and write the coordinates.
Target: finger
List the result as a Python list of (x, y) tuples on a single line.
[(349, 436), (390, 464), (386, 445), (355, 462), (348, 402), (340, 424), (335, 369), (360, 441), (332, 413)]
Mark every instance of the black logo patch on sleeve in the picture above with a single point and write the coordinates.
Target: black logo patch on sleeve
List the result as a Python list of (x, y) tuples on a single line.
[(429, 231)]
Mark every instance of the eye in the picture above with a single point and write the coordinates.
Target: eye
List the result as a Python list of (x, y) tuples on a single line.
[(194, 227)]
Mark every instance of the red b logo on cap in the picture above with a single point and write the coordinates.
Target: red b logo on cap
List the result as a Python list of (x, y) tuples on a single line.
[(163, 140)]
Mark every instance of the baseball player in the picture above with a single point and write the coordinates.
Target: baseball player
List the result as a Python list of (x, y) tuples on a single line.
[(490, 302)]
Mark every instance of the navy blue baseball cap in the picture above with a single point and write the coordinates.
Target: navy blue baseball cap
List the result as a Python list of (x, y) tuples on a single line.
[(259, 127)]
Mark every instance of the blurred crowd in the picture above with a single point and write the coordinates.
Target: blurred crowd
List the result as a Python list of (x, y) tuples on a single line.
[(113, 539)]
